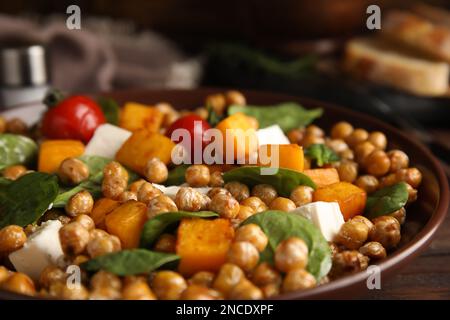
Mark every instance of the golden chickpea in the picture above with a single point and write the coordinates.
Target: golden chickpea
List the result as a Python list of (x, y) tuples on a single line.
[(189, 199), (265, 274), (202, 113), (238, 190), (51, 274), (73, 237), (353, 234), (386, 231), (72, 171), (12, 238), (400, 215), (363, 150), (147, 192), (378, 139), (348, 262), (127, 196), (298, 279), (357, 136), (341, 130), (166, 243), (377, 163), (16, 126), (364, 220), (226, 206), (368, 183), (228, 276), (156, 171), (160, 204), (270, 290), (106, 293), (197, 175), (291, 253), (302, 195), (86, 221), (217, 102), (388, 180), (197, 292), (309, 140), (137, 290), (255, 203), (168, 285), (399, 160), (347, 154), (245, 290), (80, 203), (75, 292), (14, 172), (296, 136), (80, 259), (243, 254), (337, 145), (2, 125), (252, 233), (348, 171), (202, 278), (134, 187), (412, 193), (19, 283), (105, 279), (115, 180), (313, 130), (244, 212), (373, 250), (282, 204), (216, 179), (4, 274), (99, 245), (235, 97), (216, 190), (411, 176), (265, 192)]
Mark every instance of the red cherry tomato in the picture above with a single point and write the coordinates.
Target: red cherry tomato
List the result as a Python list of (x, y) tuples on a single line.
[(75, 117), (196, 128)]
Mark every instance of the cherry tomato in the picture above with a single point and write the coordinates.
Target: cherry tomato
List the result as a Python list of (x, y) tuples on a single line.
[(196, 128), (75, 117)]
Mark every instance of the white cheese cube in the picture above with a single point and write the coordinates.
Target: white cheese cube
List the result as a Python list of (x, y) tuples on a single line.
[(326, 216), (41, 249), (106, 141), (272, 135)]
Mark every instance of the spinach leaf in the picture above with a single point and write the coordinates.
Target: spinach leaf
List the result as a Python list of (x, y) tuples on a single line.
[(213, 118), (16, 149), (154, 227), (176, 175), (25, 200), (321, 154), (284, 181), (129, 262), (288, 115), (110, 109), (279, 226), (386, 200)]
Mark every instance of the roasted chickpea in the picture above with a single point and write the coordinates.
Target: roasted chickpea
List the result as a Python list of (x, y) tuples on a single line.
[(217, 102), (156, 171), (189, 199), (337, 145), (363, 150), (265, 192), (12, 238), (115, 180), (105, 293), (196, 292), (127, 196), (270, 290), (4, 274), (400, 215), (160, 204), (347, 154), (202, 278), (16, 126), (228, 276), (2, 124), (291, 253), (364, 220), (265, 274), (80, 203), (238, 190), (80, 259), (202, 113), (388, 180), (302, 195), (357, 136), (348, 262), (51, 274), (245, 290), (135, 186), (105, 279), (225, 206), (368, 183), (412, 193), (341, 130), (19, 283), (309, 140), (99, 245), (399, 160), (282, 204), (14, 172), (216, 179), (386, 231), (86, 221), (72, 171), (166, 243), (298, 279), (168, 285), (411, 176), (244, 212), (253, 234), (137, 290), (377, 163), (235, 97), (147, 192), (73, 237), (373, 250), (255, 203), (348, 171), (353, 234), (216, 190), (243, 254), (378, 139), (313, 130), (197, 175), (296, 136)]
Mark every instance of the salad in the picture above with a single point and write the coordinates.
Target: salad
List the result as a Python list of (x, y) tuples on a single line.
[(133, 202)]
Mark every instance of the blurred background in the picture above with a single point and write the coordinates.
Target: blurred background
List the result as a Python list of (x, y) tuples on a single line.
[(315, 48)]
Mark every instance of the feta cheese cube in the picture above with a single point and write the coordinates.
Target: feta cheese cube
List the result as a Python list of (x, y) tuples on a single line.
[(326, 216), (106, 141), (41, 249), (272, 135)]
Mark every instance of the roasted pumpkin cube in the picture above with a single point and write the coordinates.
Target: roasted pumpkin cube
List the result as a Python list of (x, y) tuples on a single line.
[(135, 116), (102, 207), (288, 156), (203, 244), (53, 152), (323, 177)]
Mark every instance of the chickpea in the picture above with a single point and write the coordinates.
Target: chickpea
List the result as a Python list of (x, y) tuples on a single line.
[(347, 154), (134, 187), (364, 220), (348, 171), (16, 126), (252, 233), (19, 283), (189, 199), (334, 248), (50, 275), (373, 250), (412, 193), (238, 190), (156, 171), (99, 245), (75, 292), (282, 204), (353, 234), (168, 285), (270, 290), (216, 179), (115, 180), (202, 113), (147, 192), (244, 213), (388, 180), (291, 253), (137, 290), (160, 204), (255, 203), (80, 259), (226, 206), (296, 136), (411, 176), (105, 279), (378, 139), (363, 150), (235, 97), (73, 237), (166, 243), (243, 254), (348, 262), (216, 190), (4, 274), (337, 145), (245, 290), (72, 171), (2, 125), (265, 192), (228, 276), (197, 292), (12, 238), (399, 160), (400, 215), (313, 130), (86, 221), (298, 279), (197, 175), (386, 231), (14, 172), (377, 163), (302, 195), (80, 203), (217, 102), (126, 196), (104, 294), (265, 274), (309, 140), (202, 278), (341, 130), (357, 136), (368, 183), (30, 229), (64, 219)]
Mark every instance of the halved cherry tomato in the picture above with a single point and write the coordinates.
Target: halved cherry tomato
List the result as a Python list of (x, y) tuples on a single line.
[(75, 117)]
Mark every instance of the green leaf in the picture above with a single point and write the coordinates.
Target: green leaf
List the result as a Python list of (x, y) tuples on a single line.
[(288, 115), (53, 97), (321, 154), (284, 181), (213, 118), (176, 175), (110, 109), (16, 149), (129, 262), (25, 200), (386, 200), (279, 226), (154, 227)]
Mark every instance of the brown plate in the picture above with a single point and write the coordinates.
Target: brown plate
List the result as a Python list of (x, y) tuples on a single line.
[(423, 217)]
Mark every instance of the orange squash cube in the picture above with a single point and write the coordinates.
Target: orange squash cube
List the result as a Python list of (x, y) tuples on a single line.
[(102, 207), (135, 116), (53, 152), (290, 156), (323, 177)]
